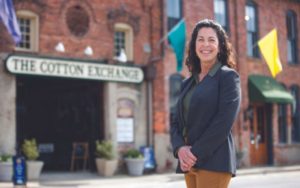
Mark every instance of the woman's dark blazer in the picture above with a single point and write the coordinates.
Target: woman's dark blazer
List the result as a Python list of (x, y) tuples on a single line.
[(213, 108)]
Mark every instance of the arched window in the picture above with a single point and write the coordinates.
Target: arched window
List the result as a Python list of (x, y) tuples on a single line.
[(291, 24), (29, 27)]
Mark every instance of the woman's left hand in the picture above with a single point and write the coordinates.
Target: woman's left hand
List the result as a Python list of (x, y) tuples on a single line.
[(186, 158)]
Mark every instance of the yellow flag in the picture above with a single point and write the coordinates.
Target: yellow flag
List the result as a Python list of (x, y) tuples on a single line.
[(269, 49)]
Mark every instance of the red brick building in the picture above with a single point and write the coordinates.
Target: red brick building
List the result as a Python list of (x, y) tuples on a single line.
[(65, 82), (73, 98), (267, 127)]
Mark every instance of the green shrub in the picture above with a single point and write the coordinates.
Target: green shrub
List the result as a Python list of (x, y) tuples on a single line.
[(104, 149), (133, 153), (5, 158), (30, 149)]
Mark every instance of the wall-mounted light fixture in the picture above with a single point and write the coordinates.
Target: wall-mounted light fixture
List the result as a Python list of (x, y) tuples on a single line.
[(88, 51), (60, 47)]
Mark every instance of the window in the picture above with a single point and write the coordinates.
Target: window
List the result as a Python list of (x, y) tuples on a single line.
[(28, 22), (282, 123), (119, 41), (291, 24), (261, 122), (123, 39), (220, 10), (174, 12), (252, 29), (295, 114)]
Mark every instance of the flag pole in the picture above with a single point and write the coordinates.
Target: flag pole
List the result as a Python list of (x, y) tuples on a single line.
[(167, 34), (162, 39)]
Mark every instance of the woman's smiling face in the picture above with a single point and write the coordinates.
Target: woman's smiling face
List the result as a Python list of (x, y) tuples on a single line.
[(207, 45)]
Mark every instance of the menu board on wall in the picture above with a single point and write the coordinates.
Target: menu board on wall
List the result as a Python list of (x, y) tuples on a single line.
[(125, 130)]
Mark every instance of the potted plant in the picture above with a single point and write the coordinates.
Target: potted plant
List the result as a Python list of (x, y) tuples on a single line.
[(106, 161), (6, 169), (34, 167), (134, 162)]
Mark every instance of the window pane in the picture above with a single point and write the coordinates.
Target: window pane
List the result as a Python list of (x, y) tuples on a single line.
[(291, 37), (296, 129), (249, 44), (173, 8), (250, 14), (294, 105), (27, 45), (21, 21), (220, 12), (251, 25), (295, 115), (22, 29), (291, 24), (174, 12), (172, 22), (119, 40), (24, 24), (282, 125), (289, 51)]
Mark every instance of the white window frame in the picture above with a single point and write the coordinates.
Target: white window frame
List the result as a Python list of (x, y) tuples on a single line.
[(34, 30), (128, 38)]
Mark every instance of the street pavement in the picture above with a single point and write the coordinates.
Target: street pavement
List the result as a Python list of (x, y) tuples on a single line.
[(288, 179), (154, 180)]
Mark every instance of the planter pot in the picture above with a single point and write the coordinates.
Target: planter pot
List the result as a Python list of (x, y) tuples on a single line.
[(106, 167), (135, 167), (34, 169), (6, 171)]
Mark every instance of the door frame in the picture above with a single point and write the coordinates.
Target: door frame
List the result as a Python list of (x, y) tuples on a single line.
[(268, 132), (95, 130)]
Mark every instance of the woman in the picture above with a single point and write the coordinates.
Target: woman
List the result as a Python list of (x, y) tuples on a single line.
[(207, 107)]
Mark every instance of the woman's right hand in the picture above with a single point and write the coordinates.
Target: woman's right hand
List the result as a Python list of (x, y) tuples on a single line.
[(186, 158)]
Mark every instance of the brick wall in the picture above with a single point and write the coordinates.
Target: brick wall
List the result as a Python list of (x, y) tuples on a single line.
[(53, 27), (147, 17), (271, 14)]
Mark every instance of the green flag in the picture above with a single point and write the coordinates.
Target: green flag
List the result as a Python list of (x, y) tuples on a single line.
[(177, 40)]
